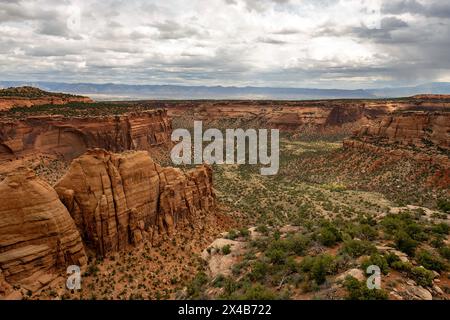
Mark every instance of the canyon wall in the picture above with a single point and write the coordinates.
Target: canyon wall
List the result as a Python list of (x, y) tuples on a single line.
[(70, 137), (422, 136), (297, 115)]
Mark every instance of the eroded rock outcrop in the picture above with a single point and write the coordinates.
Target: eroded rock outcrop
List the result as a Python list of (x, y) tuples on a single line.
[(69, 137), (121, 199), (37, 234)]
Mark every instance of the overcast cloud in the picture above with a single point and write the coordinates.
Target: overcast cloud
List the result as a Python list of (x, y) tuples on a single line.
[(283, 43)]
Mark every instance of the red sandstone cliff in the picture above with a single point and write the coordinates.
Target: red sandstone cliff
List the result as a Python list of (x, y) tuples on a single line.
[(322, 115), (422, 136), (70, 137)]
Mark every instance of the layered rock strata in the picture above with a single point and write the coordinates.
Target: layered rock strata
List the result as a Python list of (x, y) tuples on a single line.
[(37, 234), (70, 137), (424, 136), (120, 199)]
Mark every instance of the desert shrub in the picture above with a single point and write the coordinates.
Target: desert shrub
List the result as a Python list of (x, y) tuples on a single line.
[(195, 287), (357, 248), (422, 276), (391, 258), (277, 235), (319, 267), (276, 255), (405, 243), (259, 271), (262, 229), (403, 223), (329, 236), (226, 249), (257, 292), (362, 231), (260, 244), (441, 228), (445, 252), (298, 244), (444, 205), (359, 291), (232, 234), (219, 281), (402, 266), (366, 232), (229, 286), (278, 250), (376, 260), (438, 241), (244, 233), (430, 261)]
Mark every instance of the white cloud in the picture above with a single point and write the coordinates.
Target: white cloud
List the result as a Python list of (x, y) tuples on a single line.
[(226, 42)]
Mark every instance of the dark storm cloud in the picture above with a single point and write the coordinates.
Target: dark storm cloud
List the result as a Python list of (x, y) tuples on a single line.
[(432, 8)]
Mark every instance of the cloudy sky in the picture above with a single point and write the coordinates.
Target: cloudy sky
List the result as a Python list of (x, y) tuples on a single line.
[(282, 43)]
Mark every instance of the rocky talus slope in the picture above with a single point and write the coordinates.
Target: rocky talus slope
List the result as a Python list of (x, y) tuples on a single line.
[(69, 137), (37, 234)]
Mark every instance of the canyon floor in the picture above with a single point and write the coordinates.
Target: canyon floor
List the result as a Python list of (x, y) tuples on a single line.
[(309, 232), (295, 235)]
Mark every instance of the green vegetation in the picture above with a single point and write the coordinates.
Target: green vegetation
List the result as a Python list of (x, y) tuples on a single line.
[(444, 205), (431, 261), (333, 227), (226, 249), (359, 291), (357, 248), (319, 267)]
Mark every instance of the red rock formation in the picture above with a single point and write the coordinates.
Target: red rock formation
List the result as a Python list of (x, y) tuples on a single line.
[(71, 137), (298, 115), (37, 234), (117, 199), (421, 136), (418, 129), (29, 97)]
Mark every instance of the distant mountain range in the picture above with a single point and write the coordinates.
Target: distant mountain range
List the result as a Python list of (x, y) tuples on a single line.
[(110, 91)]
